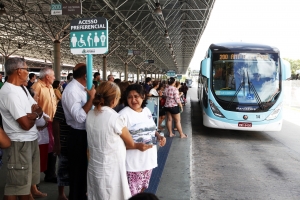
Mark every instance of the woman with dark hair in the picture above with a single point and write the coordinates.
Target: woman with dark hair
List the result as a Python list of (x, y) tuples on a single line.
[(108, 139), (142, 127), (173, 107), (144, 196), (122, 85), (57, 89)]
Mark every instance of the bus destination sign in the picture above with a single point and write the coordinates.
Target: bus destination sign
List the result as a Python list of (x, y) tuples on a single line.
[(241, 56)]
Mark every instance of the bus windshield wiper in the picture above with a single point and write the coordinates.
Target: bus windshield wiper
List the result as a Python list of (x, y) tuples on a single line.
[(251, 87), (242, 84)]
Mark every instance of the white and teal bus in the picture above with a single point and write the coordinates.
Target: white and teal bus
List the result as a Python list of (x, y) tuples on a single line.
[(240, 87)]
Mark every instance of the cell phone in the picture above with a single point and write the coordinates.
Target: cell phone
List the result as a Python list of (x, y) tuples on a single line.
[(154, 140)]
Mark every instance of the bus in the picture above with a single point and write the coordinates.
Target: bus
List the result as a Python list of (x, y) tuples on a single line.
[(189, 82), (240, 87)]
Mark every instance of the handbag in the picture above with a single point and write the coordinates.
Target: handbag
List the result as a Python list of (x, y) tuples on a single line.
[(162, 102)]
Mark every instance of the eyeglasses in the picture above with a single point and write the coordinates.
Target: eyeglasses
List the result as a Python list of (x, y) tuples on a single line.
[(134, 97), (27, 69)]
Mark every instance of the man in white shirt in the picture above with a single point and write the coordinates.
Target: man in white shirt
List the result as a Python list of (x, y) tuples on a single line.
[(19, 112), (76, 106)]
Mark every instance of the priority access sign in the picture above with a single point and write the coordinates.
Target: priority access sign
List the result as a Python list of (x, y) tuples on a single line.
[(89, 36)]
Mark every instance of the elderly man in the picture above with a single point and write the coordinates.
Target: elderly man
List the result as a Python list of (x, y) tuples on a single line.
[(110, 78), (47, 101), (19, 112), (76, 106)]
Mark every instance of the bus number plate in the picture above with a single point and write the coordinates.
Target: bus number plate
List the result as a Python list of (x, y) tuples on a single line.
[(244, 124)]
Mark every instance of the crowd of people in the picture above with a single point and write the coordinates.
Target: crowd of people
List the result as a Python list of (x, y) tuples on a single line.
[(104, 137)]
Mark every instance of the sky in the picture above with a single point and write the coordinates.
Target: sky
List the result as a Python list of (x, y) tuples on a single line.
[(271, 22)]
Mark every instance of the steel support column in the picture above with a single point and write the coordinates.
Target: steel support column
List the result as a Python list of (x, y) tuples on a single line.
[(57, 59), (104, 77), (126, 72), (138, 75)]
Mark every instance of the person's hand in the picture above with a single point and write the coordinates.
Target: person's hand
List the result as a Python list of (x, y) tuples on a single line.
[(143, 147), (37, 109), (91, 92), (162, 140)]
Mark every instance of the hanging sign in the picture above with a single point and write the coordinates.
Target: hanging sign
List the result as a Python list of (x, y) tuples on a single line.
[(89, 36)]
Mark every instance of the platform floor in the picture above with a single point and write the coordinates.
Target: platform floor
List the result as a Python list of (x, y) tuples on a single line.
[(169, 181)]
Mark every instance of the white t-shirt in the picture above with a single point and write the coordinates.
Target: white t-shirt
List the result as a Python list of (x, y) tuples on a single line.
[(154, 92), (14, 104), (43, 135), (73, 99), (142, 128)]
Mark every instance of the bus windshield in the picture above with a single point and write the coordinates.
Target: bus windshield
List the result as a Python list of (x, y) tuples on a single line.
[(246, 78)]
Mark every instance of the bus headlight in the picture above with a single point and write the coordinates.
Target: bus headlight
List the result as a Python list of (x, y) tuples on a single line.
[(215, 110), (275, 113)]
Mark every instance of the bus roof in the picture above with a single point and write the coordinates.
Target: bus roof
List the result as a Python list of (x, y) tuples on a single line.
[(242, 46)]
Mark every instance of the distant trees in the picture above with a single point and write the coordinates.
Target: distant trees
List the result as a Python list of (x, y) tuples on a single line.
[(295, 65)]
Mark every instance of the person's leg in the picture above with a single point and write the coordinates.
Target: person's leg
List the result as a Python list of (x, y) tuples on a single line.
[(62, 176), (178, 125), (50, 175), (77, 157), (35, 193), (61, 193), (161, 119), (169, 124), (10, 197)]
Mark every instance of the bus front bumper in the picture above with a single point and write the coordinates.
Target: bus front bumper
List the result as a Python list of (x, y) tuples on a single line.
[(274, 125)]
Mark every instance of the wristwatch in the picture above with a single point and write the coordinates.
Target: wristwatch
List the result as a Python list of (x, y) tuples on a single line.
[(38, 117)]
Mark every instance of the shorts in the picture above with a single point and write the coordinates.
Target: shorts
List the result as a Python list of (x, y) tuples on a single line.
[(63, 171), (173, 110), (23, 167), (162, 111)]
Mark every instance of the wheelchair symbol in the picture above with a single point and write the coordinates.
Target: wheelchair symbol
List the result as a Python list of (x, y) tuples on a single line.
[(81, 42)]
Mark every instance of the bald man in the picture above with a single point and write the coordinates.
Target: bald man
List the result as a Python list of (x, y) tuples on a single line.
[(76, 106)]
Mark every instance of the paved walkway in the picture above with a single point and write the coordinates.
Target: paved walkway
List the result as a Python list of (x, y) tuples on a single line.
[(169, 181)]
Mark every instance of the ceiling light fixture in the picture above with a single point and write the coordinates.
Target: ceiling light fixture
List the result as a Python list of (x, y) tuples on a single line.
[(157, 10), (166, 34), (173, 55)]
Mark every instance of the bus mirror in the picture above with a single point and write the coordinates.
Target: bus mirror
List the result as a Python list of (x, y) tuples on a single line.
[(205, 67), (286, 69)]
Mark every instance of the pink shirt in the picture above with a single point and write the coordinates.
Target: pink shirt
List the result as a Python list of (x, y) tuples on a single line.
[(172, 95)]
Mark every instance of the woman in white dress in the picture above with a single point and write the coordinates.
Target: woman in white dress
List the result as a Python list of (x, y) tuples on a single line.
[(108, 138)]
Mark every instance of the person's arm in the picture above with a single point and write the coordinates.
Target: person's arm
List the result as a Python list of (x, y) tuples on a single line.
[(25, 120), (91, 93), (177, 98), (130, 144), (56, 135), (161, 139), (72, 102), (57, 94), (4, 140)]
